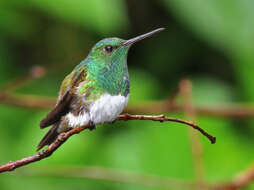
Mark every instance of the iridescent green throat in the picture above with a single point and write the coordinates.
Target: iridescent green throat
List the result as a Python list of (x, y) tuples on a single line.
[(107, 74)]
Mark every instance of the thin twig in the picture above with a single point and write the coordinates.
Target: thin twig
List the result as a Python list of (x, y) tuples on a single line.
[(163, 118), (152, 107), (28, 101), (185, 88), (111, 175), (10, 166), (64, 136), (34, 73), (241, 180), (232, 110)]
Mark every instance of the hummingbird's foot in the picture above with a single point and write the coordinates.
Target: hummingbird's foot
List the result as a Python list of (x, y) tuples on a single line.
[(112, 122), (91, 126)]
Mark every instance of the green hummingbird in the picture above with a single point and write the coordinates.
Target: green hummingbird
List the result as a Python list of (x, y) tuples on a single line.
[(96, 91)]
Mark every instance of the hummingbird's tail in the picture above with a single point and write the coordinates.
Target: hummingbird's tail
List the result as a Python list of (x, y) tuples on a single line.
[(50, 136)]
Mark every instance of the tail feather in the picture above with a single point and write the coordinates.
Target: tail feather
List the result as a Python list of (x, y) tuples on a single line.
[(50, 137)]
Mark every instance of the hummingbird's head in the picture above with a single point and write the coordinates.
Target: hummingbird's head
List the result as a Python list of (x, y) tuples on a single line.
[(115, 50), (108, 49)]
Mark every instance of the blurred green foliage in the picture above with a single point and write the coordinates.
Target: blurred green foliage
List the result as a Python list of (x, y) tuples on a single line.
[(210, 42)]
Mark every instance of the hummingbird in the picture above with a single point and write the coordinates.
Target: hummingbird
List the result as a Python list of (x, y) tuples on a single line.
[(95, 92)]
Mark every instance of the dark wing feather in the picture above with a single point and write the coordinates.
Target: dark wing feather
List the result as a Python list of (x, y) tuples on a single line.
[(64, 102), (49, 137), (61, 109)]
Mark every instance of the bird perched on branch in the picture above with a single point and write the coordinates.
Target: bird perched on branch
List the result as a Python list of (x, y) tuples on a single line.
[(95, 92)]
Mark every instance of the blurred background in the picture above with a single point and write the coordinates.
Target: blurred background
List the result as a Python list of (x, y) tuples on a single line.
[(211, 43)]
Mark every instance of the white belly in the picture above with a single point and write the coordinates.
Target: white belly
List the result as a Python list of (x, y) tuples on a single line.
[(105, 109)]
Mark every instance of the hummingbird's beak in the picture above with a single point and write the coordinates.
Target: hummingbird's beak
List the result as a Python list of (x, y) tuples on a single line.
[(141, 37)]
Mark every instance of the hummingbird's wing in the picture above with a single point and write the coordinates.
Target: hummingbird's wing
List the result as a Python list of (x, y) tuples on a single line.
[(60, 109), (65, 97)]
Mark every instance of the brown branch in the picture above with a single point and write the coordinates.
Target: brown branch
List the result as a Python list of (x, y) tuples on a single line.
[(10, 166), (64, 136), (185, 88), (34, 73), (112, 175), (28, 101), (233, 110), (241, 181), (151, 107), (163, 118)]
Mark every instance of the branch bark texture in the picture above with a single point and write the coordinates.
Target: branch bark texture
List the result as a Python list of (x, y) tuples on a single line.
[(12, 165)]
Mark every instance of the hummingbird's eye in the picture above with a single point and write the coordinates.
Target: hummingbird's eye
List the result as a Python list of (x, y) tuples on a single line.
[(108, 48)]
